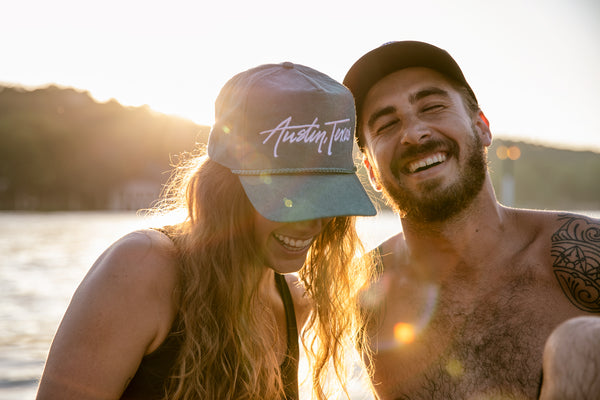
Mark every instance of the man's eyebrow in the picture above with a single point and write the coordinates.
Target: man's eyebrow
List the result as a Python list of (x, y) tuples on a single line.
[(430, 91), (380, 113)]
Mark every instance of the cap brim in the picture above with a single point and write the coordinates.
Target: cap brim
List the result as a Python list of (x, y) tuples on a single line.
[(290, 198)]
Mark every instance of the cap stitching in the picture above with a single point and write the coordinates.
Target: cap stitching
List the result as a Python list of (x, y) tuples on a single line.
[(283, 171)]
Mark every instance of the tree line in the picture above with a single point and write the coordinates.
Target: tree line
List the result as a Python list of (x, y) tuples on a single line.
[(62, 150)]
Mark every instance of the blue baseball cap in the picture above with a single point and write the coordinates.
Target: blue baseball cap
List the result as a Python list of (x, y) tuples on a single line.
[(287, 131)]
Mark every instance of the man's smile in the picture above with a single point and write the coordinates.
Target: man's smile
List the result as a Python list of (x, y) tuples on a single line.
[(426, 163)]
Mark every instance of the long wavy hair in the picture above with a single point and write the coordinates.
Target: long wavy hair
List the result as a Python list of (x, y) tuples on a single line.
[(228, 338)]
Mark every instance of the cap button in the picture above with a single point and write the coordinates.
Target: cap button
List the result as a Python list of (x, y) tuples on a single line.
[(287, 65)]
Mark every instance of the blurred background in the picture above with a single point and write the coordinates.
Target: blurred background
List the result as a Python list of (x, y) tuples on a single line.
[(98, 99)]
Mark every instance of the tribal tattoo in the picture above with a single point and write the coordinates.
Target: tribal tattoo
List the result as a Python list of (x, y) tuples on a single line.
[(576, 253)]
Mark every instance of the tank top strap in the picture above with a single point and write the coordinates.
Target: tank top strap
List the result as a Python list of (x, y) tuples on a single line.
[(289, 367)]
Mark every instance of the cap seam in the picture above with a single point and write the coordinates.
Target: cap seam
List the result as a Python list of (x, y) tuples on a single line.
[(283, 171)]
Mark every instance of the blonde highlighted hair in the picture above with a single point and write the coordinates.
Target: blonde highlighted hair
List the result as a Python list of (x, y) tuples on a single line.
[(228, 337)]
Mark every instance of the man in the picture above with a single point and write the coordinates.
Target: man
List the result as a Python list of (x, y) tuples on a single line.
[(470, 290)]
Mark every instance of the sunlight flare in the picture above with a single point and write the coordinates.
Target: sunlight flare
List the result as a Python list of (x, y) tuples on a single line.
[(404, 332)]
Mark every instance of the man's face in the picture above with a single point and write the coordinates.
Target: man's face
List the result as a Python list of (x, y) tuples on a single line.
[(424, 148)]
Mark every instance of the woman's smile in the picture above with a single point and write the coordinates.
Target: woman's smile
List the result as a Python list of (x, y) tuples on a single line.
[(293, 244)]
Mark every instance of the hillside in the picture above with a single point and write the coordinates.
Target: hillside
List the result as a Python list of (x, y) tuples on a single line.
[(61, 150), (546, 177)]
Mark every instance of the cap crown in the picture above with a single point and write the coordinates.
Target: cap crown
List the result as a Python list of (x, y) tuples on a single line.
[(283, 118), (394, 56)]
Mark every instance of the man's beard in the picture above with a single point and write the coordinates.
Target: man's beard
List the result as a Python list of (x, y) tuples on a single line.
[(437, 205)]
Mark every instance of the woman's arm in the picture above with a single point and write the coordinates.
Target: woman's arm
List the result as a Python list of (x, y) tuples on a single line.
[(122, 310)]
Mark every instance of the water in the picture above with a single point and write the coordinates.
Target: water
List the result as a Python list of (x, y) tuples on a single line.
[(43, 257)]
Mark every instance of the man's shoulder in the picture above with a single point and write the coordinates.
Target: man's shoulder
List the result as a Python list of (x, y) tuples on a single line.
[(552, 221), (568, 243), (391, 251)]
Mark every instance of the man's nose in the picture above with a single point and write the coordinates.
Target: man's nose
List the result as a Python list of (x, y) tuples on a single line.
[(415, 131)]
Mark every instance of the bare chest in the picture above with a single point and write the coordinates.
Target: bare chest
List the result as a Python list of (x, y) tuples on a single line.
[(456, 341)]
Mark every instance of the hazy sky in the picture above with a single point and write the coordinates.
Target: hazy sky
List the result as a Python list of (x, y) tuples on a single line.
[(534, 65)]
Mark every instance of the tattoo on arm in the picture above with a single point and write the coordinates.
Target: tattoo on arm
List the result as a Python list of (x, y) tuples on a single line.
[(576, 260)]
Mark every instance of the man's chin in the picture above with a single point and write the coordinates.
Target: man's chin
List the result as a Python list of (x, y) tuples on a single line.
[(437, 205)]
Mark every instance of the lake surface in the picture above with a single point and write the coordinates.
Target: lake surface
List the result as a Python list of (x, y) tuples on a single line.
[(43, 258)]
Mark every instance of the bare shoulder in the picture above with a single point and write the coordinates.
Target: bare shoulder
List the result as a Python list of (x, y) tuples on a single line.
[(142, 245), (302, 304), (122, 310), (140, 270), (143, 260), (554, 220), (576, 229), (572, 244), (575, 253), (392, 252), (541, 228)]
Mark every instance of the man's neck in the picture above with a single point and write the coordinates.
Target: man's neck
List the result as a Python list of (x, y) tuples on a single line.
[(465, 234)]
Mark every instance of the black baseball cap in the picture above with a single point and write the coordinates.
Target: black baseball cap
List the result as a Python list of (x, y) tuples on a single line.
[(394, 56)]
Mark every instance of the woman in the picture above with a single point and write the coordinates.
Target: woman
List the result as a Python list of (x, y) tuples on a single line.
[(207, 308)]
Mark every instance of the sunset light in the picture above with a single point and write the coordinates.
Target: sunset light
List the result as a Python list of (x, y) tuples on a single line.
[(510, 152), (175, 57), (404, 333), (110, 202)]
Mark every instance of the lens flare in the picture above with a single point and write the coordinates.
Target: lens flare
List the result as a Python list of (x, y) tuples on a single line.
[(404, 333), (502, 152), (454, 368), (266, 179), (514, 153)]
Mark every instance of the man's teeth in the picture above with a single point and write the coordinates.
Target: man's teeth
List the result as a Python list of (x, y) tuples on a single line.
[(294, 243), (426, 162)]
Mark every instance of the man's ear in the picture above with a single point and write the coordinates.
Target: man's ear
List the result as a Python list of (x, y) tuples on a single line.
[(372, 178), (482, 125)]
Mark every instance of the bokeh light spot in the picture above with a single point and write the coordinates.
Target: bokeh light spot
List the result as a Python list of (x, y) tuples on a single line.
[(266, 179), (514, 153), (454, 368), (502, 152), (288, 203), (404, 333)]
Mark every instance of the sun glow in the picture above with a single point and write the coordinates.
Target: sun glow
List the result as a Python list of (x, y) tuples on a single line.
[(404, 332)]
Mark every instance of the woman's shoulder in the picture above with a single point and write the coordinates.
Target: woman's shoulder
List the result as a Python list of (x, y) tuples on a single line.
[(142, 265), (139, 272), (149, 251)]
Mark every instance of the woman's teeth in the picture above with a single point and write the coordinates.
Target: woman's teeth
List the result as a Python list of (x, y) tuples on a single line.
[(426, 162), (293, 244)]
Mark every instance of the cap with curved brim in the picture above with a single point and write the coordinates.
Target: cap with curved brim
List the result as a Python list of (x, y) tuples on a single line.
[(287, 131), (394, 56), (299, 197)]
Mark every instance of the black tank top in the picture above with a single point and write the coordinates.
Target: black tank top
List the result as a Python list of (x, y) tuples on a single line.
[(155, 369)]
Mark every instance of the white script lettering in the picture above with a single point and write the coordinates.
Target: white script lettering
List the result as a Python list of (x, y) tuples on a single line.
[(332, 131)]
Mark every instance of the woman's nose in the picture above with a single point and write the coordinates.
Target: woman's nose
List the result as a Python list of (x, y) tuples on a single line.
[(312, 224)]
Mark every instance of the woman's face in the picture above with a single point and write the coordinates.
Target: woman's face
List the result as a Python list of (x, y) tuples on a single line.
[(284, 244)]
